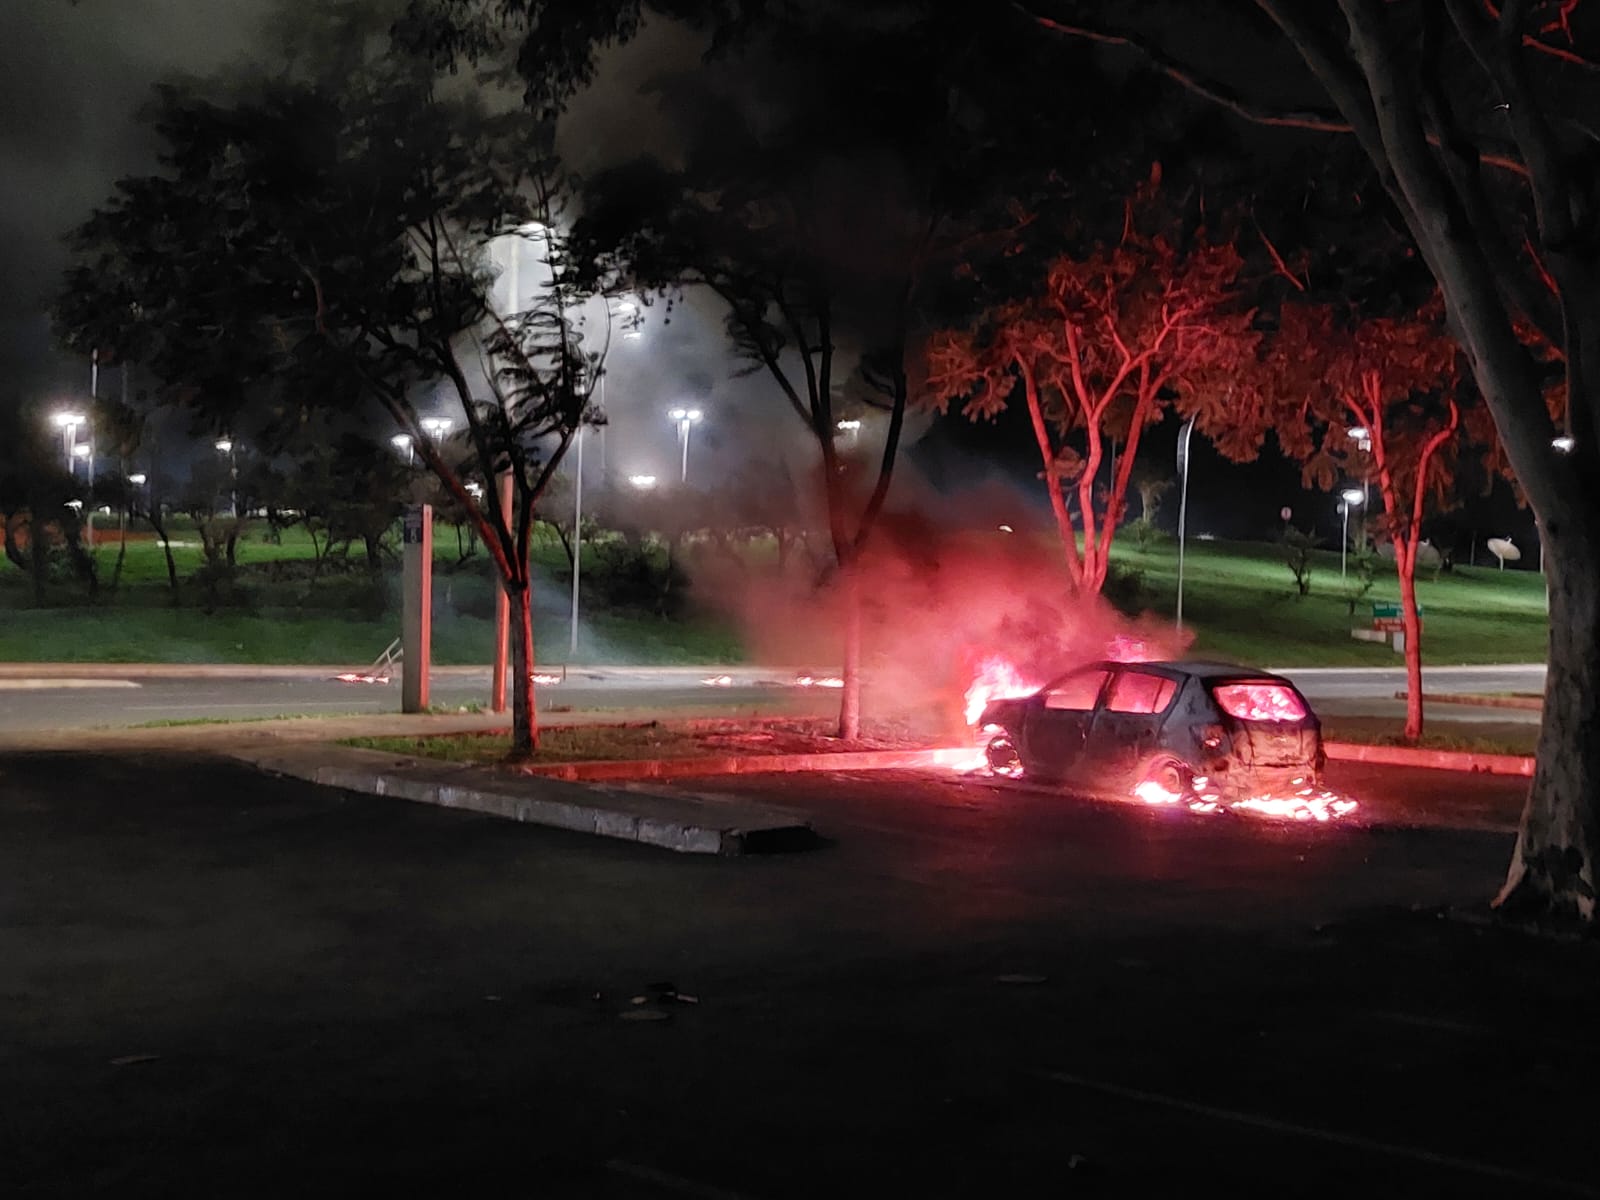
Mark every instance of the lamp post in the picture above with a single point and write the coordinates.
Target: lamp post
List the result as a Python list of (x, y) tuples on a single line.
[(402, 443), (68, 423), (577, 541), (1362, 437), (1185, 436), (1351, 498), (686, 418), (225, 446)]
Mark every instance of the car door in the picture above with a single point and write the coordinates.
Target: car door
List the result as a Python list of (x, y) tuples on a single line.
[(1127, 725), (1059, 719)]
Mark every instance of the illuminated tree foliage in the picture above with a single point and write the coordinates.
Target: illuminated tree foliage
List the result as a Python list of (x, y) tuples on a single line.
[(1113, 335)]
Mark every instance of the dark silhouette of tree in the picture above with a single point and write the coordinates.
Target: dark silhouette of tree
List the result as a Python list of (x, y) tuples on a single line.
[(332, 237)]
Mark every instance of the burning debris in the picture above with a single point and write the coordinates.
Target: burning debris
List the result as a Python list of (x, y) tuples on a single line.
[(717, 681), (544, 680)]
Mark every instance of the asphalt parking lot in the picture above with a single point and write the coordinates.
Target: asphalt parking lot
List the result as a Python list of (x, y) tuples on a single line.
[(213, 982)]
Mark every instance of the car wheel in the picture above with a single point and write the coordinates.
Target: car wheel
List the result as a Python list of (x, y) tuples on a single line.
[(1171, 775), (1002, 756)]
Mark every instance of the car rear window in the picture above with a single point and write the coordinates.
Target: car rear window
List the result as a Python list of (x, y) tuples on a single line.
[(1140, 692), (1259, 701), (1076, 693)]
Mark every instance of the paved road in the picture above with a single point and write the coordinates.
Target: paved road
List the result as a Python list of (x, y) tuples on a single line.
[(64, 698), (216, 983)]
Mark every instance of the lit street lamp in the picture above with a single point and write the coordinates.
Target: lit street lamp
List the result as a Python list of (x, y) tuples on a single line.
[(852, 427), (642, 482), (1352, 498), (436, 427), (402, 442), (1564, 444), (225, 446), (686, 419), (68, 423)]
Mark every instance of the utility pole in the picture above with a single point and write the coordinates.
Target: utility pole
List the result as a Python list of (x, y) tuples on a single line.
[(416, 624), (502, 611), (1184, 437)]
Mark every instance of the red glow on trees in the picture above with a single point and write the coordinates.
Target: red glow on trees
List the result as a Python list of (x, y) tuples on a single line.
[(1112, 331)]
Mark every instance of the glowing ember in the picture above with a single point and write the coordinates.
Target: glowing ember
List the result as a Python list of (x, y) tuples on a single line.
[(1306, 804), (822, 681), (1259, 702), (546, 680), (717, 681), (996, 679), (353, 677)]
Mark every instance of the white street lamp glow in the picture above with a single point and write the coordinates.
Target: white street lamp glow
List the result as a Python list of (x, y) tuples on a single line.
[(679, 414), (475, 490), (532, 229), (849, 426), (137, 480), (1352, 496), (1359, 434), (81, 450), (225, 446), (1564, 444), (435, 427), (642, 482), (695, 414), (68, 420), (400, 441)]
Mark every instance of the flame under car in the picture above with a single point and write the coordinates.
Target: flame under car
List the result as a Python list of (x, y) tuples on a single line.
[(1176, 727)]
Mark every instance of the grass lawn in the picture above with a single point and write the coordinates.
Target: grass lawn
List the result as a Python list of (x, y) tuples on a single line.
[(1240, 600), (1478, 737), (555, 745)]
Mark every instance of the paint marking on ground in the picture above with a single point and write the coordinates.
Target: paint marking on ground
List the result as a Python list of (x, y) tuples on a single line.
[(1332, 1137), (46, 685), (667, 1182)]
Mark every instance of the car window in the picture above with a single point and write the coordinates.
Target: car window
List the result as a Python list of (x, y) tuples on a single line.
[(1140, 692), (1076, 693)]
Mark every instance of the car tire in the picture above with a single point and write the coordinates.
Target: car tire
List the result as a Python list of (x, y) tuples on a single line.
[(1169, 772), (1002, 757)]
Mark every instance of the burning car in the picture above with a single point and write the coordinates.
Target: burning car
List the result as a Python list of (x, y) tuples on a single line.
[(1166, 729)]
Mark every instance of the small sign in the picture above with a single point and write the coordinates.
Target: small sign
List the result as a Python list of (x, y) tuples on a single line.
[(1387, 616), (411, 526), (1382, 609)]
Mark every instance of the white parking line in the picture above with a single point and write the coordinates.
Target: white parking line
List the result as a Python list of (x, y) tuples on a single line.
[(1331, 1136), (675, 1184)]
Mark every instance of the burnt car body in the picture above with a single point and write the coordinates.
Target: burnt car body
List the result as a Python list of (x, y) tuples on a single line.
[(1112, 726)]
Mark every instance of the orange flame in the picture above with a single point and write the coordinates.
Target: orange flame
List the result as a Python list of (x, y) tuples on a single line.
[(997, 678)]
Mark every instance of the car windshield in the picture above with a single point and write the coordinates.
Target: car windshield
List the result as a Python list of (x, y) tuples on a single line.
[(1263, 701)]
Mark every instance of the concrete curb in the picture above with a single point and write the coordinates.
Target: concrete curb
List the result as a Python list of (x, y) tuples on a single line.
[(754, 764), (1441, 760), (685, 824), (1480, 700)]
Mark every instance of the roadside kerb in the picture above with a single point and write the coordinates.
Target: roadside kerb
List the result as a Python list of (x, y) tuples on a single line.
[(1442, 760), (1480, 700), (951, 757), (686, 824)]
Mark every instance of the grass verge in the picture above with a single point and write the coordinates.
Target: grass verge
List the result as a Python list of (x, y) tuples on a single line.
[(1475, 737)]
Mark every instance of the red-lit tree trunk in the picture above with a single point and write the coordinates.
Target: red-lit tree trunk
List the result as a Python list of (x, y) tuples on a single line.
[(850, 675), (1404, 516)]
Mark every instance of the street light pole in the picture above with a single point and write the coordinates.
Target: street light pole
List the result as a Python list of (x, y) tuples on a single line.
[(686, 418), (1352, 498), (1185, 435), (577, 544)]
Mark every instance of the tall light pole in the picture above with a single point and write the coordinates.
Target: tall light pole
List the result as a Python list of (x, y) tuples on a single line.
[(577, 541), (225, 446), (686, 418), (1185, 435), (68, 423), (1362, 437), (1352, 498)]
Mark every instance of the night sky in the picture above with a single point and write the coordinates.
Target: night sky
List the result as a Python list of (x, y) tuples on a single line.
[(75, 76)]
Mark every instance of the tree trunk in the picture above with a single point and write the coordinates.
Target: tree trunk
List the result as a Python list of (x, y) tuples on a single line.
[(39, 554), (13, 547), (524, 716), (850, 694), (1553, 869), (160, 527), (1406, 570)]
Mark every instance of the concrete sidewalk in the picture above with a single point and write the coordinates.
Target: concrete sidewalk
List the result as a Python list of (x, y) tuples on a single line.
[(606, 672), (685, 822)]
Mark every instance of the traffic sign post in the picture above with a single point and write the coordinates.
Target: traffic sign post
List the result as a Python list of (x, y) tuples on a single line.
[(416, 624)]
